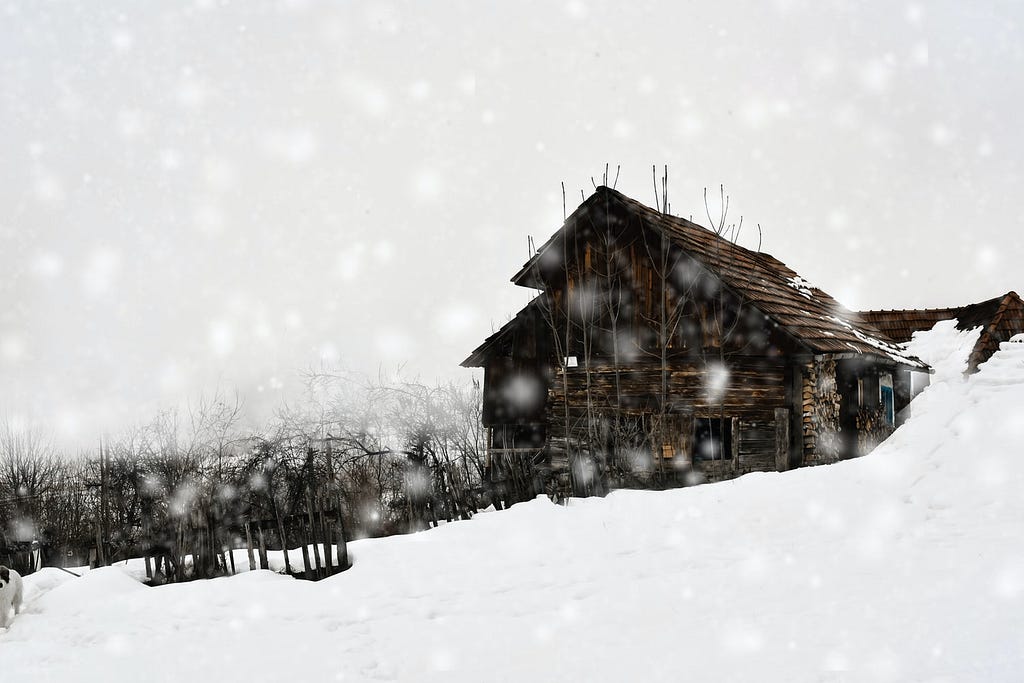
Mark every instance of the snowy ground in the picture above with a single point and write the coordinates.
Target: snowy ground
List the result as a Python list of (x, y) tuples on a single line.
[(903, 565)]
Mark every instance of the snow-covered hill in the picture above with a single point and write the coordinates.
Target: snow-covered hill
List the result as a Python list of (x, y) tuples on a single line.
[(903, 565)]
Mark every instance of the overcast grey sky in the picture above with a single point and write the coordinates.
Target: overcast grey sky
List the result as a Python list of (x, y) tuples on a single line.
[(228, 193)]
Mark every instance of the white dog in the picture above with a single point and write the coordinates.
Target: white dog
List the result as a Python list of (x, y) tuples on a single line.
[(11, 594)]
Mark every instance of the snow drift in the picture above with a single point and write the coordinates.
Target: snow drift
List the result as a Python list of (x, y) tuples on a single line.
[(903, 565)]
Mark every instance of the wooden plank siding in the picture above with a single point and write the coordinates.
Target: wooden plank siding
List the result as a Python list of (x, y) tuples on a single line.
[(754, 388), (753, 393)]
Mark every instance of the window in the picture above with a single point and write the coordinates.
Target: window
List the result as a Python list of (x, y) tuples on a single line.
[(885, 395), (711, 439)]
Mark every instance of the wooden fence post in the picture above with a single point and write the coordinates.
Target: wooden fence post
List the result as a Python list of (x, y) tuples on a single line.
[(284, 545), (325, 534), (264, 563), (248, 546), (312, 529), (307, 568), (147, 534), (734, 443), (781, 439), (342, 545), (101, 556)]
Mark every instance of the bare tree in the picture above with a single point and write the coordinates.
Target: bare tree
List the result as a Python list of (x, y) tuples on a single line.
[(29, 470)]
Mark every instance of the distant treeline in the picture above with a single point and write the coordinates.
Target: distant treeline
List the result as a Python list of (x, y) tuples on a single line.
[(390, 456)]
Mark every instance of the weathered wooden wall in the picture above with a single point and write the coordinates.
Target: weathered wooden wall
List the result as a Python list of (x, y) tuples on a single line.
[(746, 396), (752, 388)]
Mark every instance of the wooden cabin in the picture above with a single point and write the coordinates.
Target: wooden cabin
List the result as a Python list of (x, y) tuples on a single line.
[(999, 319), (659, 353)]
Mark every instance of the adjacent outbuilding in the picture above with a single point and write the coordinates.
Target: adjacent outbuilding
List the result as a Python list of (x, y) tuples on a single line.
[(999, 319)]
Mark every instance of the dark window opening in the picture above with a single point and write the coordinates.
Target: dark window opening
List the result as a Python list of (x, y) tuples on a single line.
[(711, 439), (518, 437)]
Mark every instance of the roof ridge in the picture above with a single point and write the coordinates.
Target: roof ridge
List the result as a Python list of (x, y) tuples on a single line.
[(999, 298), (688, 222), (910, 310)]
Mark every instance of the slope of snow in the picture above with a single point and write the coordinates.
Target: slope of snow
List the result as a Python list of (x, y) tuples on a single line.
[(945, 348), (903, 565)]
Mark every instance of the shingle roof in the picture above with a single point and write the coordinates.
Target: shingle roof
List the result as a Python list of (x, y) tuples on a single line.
[(999, 318), (807, 313)]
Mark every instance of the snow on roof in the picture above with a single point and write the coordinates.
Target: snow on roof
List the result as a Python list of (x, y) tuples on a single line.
[(801, 285), (889, 349)]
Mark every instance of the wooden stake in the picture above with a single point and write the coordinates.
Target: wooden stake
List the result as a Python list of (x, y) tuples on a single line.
[(100, 557), (312, 528), (734, 442), (306, 566), (325, 532), (781, 439), (342, 546), (264, 563), (284, 545), (248, 546)]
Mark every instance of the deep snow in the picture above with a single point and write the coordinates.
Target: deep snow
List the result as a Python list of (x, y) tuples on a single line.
[(944, 348), (903, 565)]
